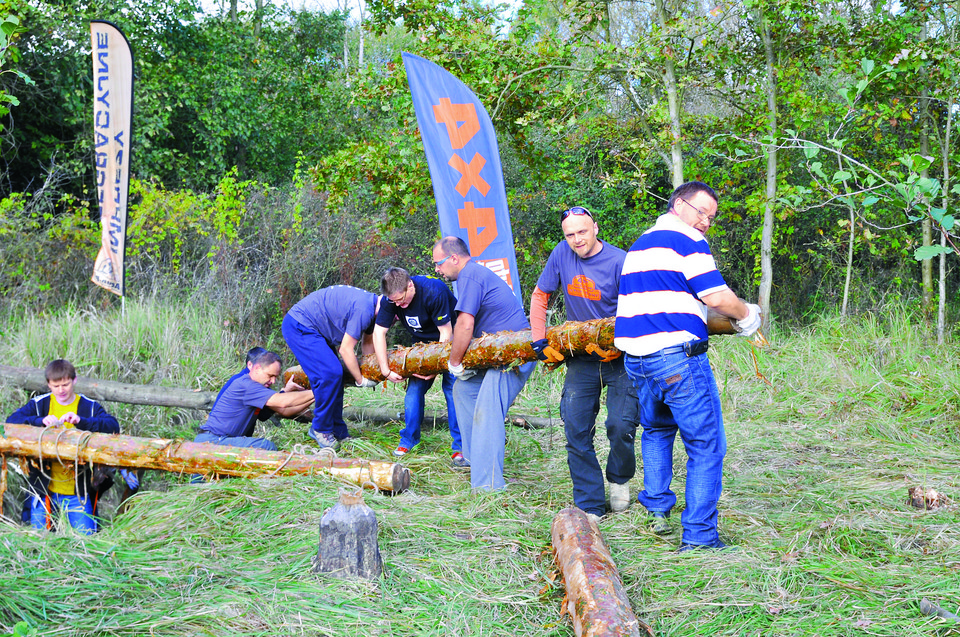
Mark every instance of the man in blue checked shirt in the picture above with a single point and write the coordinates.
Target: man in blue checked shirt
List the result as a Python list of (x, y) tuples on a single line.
[(669, 280)]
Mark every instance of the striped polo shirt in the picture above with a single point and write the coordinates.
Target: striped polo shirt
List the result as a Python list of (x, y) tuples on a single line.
[(666, 273)]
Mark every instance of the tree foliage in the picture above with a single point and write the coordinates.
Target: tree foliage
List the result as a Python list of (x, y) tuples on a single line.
[(595, 103)]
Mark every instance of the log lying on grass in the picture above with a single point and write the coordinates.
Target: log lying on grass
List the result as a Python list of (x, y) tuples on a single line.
[(32, 379), (382, 415), (595, 598), (179, 456), (506, 348)]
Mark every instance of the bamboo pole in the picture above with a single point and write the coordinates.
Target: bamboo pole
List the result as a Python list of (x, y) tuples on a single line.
[(595, 597), (75, 445)]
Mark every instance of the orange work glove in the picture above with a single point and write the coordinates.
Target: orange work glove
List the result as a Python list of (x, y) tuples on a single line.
[(546, 353), (606, 355)]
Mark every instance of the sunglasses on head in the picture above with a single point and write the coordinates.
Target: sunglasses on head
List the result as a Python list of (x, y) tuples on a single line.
[(576, 210)]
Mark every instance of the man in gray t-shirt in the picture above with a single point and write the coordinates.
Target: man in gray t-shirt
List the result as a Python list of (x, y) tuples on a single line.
[(587, 270), (482, 396)]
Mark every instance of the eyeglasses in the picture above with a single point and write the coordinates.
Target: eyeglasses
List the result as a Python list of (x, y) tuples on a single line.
[(576, 210), (402, 298), (437, 264), (700, 213)]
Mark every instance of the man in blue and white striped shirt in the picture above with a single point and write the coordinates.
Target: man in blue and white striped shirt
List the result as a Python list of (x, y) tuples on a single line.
[(669, 280)]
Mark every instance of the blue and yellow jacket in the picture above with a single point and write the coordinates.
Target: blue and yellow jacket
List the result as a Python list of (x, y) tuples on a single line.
[(93, 417)]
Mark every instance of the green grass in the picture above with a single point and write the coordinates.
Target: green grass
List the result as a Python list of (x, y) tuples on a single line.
[(815, 496)]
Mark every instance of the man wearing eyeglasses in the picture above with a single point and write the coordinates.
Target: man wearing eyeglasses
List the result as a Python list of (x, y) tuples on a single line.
[(425, 307), (486, 304), (587, 270), (669, 280)]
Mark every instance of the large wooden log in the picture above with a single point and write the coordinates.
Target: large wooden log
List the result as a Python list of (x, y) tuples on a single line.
[(505, 348), (32, 379), (179, 456), (595, 599)]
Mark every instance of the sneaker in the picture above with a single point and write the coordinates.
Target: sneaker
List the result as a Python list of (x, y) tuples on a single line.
[(593, 517), (457, 461), (324, 441), (400, 452), (619, 496), (659, 522), (716, 546)]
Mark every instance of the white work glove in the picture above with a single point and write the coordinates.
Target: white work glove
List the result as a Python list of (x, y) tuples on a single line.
[(366, 382), (460, 372), (748, 325)]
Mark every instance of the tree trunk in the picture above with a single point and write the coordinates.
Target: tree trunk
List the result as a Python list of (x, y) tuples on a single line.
[(673, 96), (258, 18), (945, 160), (769, 202), (360, 32), (851, 212), (595, 599), (178, 456), (926, 265), (32, 379)]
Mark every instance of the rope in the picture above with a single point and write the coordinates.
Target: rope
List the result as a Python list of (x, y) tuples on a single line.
[(76, 463), (372, 484), (40, 451), (282, 465)]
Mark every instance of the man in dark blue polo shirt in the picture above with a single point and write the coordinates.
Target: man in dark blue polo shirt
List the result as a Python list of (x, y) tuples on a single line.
[(322, 331), (425, 307), (244, 397)]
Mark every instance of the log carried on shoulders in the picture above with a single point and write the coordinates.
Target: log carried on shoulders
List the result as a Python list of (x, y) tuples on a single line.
[(179, 456), (502, 348), (595, 597)]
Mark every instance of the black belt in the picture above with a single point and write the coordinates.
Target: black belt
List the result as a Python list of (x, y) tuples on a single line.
[(690, 348)]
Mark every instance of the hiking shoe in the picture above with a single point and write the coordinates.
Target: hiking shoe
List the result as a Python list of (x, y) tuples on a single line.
[(716, 546), (457, 461), (659, 523), (400, 452), (324, 441), (619, 496)]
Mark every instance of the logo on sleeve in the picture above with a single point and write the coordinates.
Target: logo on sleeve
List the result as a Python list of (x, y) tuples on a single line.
[(584, 287)]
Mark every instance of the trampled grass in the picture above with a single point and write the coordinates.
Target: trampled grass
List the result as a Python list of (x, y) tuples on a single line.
[(815, 496)]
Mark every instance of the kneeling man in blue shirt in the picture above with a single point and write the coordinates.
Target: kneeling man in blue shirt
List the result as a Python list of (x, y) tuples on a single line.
[(248, 398)]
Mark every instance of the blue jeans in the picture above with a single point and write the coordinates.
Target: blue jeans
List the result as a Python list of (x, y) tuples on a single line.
[(482, 403), (79, 512), (579, 406), (324, 371), (679, 394), (413, 403), (236, 441)]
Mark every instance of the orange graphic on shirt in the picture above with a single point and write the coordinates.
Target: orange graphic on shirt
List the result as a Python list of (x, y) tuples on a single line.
[(584, 287)]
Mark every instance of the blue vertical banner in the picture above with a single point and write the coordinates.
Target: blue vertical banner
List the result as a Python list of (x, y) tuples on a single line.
[(464, 161), (112, 132)]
